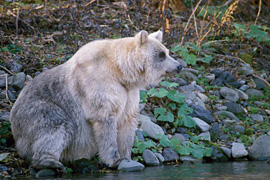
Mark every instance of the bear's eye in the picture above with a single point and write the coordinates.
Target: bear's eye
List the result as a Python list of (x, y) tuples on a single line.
[(162, 55)]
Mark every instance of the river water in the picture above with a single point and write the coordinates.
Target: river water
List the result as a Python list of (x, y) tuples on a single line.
[(214, 171)]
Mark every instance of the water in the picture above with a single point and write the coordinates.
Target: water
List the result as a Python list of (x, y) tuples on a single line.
[(214, 171)]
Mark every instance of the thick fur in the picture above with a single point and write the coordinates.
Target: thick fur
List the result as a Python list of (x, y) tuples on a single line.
[(89, 104)]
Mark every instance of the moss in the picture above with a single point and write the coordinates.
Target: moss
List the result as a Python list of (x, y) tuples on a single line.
[(246, 57)]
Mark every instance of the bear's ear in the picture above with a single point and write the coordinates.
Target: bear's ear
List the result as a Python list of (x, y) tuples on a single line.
[(157, 35), (142, 37)]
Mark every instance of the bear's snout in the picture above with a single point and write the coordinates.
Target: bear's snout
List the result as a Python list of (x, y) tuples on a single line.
[(179, 68)]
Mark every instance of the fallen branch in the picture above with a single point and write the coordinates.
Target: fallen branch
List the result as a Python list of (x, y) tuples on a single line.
[(259, 11)]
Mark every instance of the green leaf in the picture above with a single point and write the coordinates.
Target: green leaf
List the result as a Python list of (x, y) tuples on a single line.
[(195, 139), (176, 96), (161, 93), (164, 141), (174, 142), (183, 150), (197, 152), (172, 105), (169, 84), (166, 117), (189, 122), (178, 48), (206, 59), (159, 111), (188, 58), (142, 146), (208, 152)]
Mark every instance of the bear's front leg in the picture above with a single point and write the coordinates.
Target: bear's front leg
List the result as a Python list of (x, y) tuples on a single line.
[(106, 138), (125, 138)]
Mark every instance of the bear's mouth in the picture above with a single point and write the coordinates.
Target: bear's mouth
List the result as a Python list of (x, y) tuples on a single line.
[(175, 71)]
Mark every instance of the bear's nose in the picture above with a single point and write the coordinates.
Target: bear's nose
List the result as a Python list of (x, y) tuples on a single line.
[(179, 68)]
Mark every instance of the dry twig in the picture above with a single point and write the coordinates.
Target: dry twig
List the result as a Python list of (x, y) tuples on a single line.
[(259, 11)]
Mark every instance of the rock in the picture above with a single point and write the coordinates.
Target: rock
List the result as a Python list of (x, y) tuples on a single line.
[(160, 157), (84, 165), (189, 95), (199, 88), (267, 111), (187, 88), (190, 159), (260, 149), (130, 166), (45, 173), (246, 70), (187, 136), (182, 62), (203, 97), (244, 87), (251, 84), (28, 78), (201, 124), (180, 81), (18, 81), (199, 102), (188, 76), (227, 151), (170, 155), (239, 128), (205, 136), (181, 130), (224, 78), (253, 92), (11, 95), (201, 113), (14, 66), (152, 129), (141, 118), (217, 82), (149, 158), (238, 150), (139, 134), (5, 117), (229, 94), (221, 108), (234, 108), (180, 137), (150, 115), (227, 114), (215, 131), (260, 84), (257, 117), (209, 77), (242, 95)]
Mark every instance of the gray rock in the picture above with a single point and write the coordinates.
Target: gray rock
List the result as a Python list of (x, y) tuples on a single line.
[(180, 81), (141, 118), (199, 88), (239, 128), (229, 94), (182, 62), (14, 66), (11, 95), (246, 70), (227, 114), (260, 149), (152, 129), (149, 158), (221, 108), (160, 157), (209, 77), (141, 106), (199, 102), (203, 97), (203, 126), (181, 130), (130, 166), (45, 173), (260, 84), (238, 150), (187, 88), (253, 92), (149, 114), (178, 136), (244, 87), (190, 159), (201, 113), (234, 108), (28, 78), (188, 76), (170, 155), (205, 136), (18, 80), (215, 131), (5, 117), (257, 117), (140, 135), (242, 95), (189, 95)]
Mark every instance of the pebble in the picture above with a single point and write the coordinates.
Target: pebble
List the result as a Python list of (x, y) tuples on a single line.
[(152, 130), (203, 126), (229, 94), (150, 158), (130, 166), (238, 150), (170, 155)]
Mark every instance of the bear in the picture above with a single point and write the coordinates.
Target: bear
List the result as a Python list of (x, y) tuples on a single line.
[(89, 104)]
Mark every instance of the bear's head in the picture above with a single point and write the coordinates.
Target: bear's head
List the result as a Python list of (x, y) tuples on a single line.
[(147, 60)]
